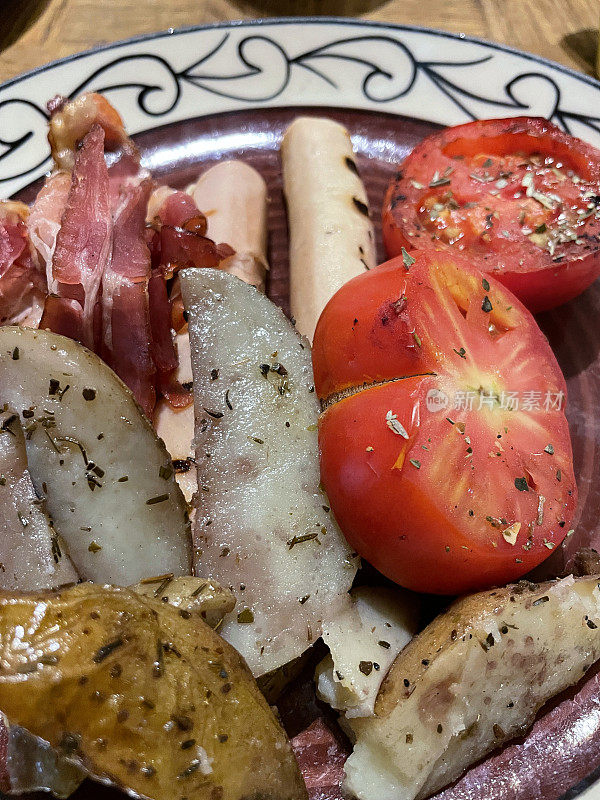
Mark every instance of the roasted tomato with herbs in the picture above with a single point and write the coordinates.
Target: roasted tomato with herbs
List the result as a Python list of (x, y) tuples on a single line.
[(519, 197), (445, 450)]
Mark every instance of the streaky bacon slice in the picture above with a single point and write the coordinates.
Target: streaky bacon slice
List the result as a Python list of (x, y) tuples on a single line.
[(176, 237), (13, 239), (130, 354), (84, 241), (178, 209), (22, 287), (21, 299), (180, 248), (45, 218), (179, 238), (106, 275), (126, 331), (63, 315), (168, 206), (130, 253), (163, 348), (124, 174)]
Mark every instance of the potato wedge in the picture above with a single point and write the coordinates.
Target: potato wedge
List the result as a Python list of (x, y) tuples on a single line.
[(31, 763), (472, 680), (140, 695), (363, 643), (262, 524), (194, 595), (32, 555), (106, 477)]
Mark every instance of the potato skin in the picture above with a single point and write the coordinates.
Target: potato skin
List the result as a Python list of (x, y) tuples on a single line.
[(457, 622), (472, 680), (141, 695), (200, 596)]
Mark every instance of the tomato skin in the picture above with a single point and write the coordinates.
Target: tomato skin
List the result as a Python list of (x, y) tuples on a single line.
[(544, 289), (403, 519), (365, 333), (432, 502), (542, 278), (385, 324)]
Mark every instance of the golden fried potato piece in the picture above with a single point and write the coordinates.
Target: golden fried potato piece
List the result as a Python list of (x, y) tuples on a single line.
[(197, 595), (142, 695)]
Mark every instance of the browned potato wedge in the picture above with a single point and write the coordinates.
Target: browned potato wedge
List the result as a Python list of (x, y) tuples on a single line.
[(472, 680), (141, 695), (106, 477), (196, 595), (31, 763)]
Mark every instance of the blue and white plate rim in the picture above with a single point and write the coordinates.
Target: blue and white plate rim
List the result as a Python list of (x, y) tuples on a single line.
[(169, 76)]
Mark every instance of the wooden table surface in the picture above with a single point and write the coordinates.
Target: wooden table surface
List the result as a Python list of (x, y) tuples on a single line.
[(33, 32)]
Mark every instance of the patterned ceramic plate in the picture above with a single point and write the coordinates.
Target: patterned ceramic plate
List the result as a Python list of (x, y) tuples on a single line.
[(195, 96)]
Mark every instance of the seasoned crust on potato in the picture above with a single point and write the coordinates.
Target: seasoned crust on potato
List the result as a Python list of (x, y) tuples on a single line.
[(472, 680), (140, 695)]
